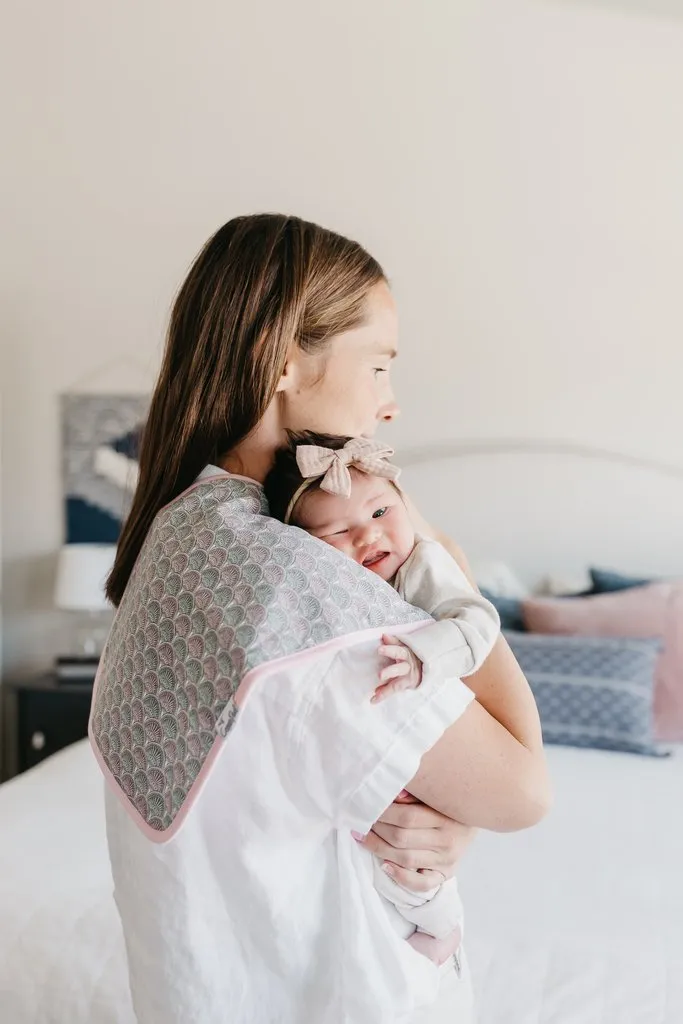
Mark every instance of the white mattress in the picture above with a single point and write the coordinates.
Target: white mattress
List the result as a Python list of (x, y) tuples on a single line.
[(579, 921)]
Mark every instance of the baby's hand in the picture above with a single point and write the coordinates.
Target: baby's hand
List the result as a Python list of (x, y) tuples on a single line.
[(404, 672)]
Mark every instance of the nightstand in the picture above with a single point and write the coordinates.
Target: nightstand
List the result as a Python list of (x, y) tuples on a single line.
[(40, 716)]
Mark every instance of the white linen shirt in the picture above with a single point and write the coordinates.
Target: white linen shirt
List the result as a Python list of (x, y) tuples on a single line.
[(261, 909)]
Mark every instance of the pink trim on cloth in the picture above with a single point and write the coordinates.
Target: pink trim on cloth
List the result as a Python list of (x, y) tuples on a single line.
[(246, 686)]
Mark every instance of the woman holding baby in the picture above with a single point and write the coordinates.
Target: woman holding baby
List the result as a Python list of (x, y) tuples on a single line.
[(295, 763)]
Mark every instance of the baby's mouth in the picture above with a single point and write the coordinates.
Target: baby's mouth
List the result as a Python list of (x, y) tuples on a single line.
[(374, 558)]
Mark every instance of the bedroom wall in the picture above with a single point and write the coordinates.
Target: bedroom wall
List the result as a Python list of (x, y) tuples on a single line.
[(516, 166)]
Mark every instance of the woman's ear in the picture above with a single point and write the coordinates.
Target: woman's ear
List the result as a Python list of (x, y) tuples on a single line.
[(289, 375)]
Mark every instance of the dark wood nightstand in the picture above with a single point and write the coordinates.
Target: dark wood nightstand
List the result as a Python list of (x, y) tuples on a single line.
[(40, 716)]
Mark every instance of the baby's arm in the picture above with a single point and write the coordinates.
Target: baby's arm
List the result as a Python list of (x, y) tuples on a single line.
[(467, 624)]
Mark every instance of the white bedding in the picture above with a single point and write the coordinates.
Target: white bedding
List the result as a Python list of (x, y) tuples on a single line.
[(579, 921), (61, 948)]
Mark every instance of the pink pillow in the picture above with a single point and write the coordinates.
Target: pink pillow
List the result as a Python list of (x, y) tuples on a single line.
[(652, 611)]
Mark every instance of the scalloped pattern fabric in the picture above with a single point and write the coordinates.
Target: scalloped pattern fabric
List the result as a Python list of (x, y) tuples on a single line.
[(219, 588)]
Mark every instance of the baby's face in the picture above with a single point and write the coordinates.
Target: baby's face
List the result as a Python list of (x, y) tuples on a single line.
[(372, 526)]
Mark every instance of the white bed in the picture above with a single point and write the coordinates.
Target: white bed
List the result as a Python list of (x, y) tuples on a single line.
[(579, 921)]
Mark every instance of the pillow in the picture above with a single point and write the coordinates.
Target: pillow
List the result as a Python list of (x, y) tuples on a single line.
[(498, 578), (577, 585), (591, 691), (655, 610), (606, 582), (509, 609)]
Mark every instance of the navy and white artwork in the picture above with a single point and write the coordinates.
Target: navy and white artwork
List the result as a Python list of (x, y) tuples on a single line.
[(101, 436)]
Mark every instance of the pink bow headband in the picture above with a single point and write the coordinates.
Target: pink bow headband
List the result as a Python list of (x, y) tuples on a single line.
[(333, 465)]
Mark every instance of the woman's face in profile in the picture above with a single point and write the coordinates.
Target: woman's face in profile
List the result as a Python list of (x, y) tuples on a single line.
[(347, 389)]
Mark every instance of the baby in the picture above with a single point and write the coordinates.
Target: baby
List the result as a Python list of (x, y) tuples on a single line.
[(343, 491)]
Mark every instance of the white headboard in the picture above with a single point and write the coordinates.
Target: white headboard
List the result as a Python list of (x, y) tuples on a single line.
[(551, 508)]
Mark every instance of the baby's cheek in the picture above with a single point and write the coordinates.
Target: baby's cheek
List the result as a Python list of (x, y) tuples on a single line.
[(404, 544), (341, 545)]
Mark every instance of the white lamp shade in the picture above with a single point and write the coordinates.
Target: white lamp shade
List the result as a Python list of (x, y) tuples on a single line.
[(82, 570)]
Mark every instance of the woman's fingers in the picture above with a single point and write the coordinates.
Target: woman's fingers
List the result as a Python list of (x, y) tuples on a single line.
[(413, 816), (404, 797), (408, 838), (411, 859), (448, 839), (415, 881)]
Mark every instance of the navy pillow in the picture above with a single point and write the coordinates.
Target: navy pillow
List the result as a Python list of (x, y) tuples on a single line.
[(592, 691), (509, 609), (606, 582)]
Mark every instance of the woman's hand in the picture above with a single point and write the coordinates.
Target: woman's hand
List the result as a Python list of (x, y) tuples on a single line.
[(420, 847)]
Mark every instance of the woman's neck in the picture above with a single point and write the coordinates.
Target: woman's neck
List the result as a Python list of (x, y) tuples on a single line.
[(253, 457)]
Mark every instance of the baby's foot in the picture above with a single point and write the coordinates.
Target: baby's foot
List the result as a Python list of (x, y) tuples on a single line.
[(436, 950)]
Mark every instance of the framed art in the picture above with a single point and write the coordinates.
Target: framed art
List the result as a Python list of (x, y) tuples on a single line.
[(101, 436)]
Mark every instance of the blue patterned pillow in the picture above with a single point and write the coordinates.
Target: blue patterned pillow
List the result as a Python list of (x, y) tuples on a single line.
[(509, 609), (606, 582), (591, 691)]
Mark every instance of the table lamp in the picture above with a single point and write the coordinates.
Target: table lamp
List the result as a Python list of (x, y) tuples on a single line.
[(82, 570)]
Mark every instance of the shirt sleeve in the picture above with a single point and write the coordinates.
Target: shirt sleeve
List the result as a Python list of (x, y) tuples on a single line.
[(467, 624), (350, 757)]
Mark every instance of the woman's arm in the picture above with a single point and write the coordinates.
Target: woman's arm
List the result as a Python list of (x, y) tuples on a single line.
[(480, 775), (503, 724), (500, 686)]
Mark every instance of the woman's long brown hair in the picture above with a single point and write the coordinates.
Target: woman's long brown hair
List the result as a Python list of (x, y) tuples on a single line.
[(259, 284)]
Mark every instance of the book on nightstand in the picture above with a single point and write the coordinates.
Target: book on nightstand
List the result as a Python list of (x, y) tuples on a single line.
[(76, 669)]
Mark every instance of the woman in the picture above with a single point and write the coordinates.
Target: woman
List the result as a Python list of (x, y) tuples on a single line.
[(232, 714)]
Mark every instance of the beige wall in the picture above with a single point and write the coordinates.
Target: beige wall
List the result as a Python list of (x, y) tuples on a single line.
[(516, 165)]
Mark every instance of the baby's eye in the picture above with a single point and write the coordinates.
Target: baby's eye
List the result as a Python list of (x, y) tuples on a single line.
[(380, 512)]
